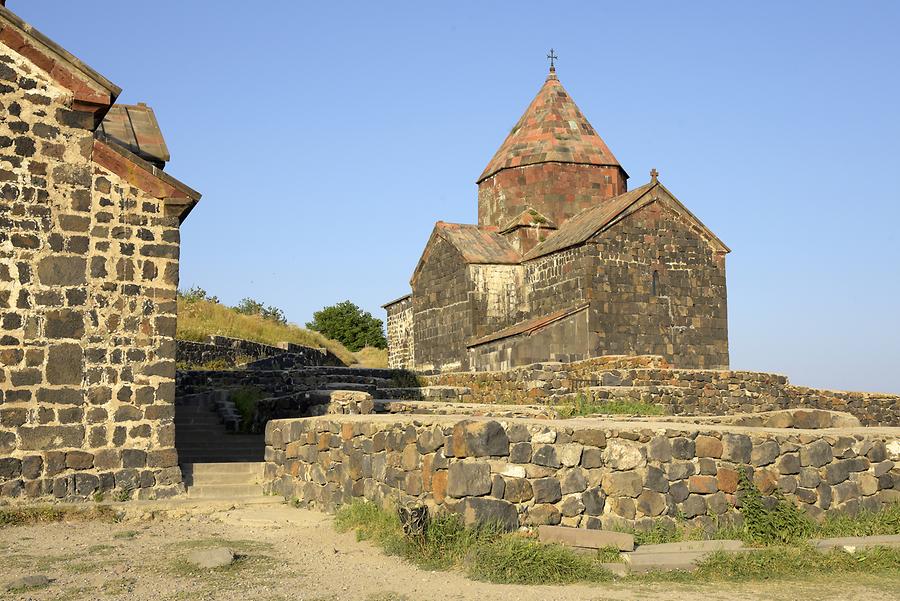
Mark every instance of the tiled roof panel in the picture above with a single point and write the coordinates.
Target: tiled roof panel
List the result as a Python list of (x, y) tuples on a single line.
[(528, 326), (526, 218), (479, 244), (135, 128), (587, 223), (553, 129)]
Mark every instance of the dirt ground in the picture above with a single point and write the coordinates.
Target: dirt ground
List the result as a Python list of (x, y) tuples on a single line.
[(293, 554)]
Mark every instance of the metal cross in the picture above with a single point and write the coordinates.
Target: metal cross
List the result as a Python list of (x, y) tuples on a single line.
[(552, 58)]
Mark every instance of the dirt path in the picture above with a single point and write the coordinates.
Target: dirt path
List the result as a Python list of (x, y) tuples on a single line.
[(296, 554)]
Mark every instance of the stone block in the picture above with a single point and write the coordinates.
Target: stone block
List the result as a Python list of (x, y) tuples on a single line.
[(65, 364), (546, 490), (541, 514), (659, 449), (468, 479), (622, 484), (475, 510), (764, 453), (545, 455), (736, 448), (56, 270), (572, 481), (517, 490), (703, 484), (651, 503), (594, 500), (162, 458), (590, 437), (708, 446), (789, 463), (624, 455), (40, 438), (569, 454), (816, 454), (479, 439), (727, 480)]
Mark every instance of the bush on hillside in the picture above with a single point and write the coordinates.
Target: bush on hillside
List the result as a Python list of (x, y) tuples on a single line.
[(349, 325), (249, 306)]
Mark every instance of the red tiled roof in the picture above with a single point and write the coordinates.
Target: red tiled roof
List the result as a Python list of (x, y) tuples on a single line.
[(135, 127), (551, 130), (478, 244)]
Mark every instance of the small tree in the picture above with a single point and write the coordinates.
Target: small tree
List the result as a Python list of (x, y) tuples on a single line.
[(349, 325), (249, 306)]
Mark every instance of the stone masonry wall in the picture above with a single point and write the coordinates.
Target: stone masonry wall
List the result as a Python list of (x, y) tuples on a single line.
[(556, 190), (685, 321), (88, 272), (231, 351), (401, 346), (578, 473)]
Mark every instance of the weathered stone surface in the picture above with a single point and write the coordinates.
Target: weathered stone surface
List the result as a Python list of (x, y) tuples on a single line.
[(816, 454), (477, 510), (594, 499), (764, 453), (707, 446), (659, 449), (623, 455), (736, 448), (693, 506), (622, 484), (518, 490), (479, 439), (468, 479), (545, 455), (542, 514), (703, 484), (651, 503), (62, 271), (573, 481), (789, 463), (587, 539), (546, 490), (208, 559)]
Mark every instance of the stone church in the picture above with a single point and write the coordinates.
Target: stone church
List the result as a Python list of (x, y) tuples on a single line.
[(566, 263)]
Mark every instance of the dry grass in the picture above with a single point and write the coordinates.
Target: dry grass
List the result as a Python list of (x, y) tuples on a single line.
[(372, 357), (199, 319)]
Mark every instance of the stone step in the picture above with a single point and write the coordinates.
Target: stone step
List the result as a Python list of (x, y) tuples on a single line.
[(691, 546), (209, 479), (224, 491), (589, 539), (351, 386), (220, 458), (853, 543)]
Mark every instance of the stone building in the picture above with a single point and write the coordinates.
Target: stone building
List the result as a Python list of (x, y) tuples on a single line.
[(89, 247), (565, 263)]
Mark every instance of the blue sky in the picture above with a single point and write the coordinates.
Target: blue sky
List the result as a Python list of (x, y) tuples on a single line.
[(327, 138)]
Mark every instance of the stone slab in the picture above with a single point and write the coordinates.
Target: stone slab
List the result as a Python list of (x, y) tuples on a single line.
[(589, 539), (851, 543), (692, 546)]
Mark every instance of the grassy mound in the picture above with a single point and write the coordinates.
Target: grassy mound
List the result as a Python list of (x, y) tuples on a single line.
[(198, 319)]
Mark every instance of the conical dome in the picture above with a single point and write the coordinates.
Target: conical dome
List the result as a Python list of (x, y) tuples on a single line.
[(553, 129)]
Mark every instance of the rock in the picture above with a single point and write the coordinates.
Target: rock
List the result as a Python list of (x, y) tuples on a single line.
[(655, 479), (703, 484), (622, 484), (659, 449), (717, 503), (812, 420), (679, 470), (594, 500), (816, 454), (569, 454), (624, 455), (736, 448), (683, 448), (809, 477), (481, 510), (573, 481), (468, 479), (545, 437), (518, 490), (622, 507), (727, 480), (520, 452), (679, 491), (708, 446), (545, 455), (586, 539), (868, 484), (789, 463), (593, 438), (27, 582), (215, 557), (479, 439), (837, 471), (764, 453), (542, 514), (546, 490), (430, 440), (651, 503), (591, 458), (571, 506), (693, 506), (513, 471)]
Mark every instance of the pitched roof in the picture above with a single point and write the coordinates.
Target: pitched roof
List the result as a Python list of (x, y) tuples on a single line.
[(478, 244), (529, 326), (588, 222), (527, 218), (135, 127), (551, 130)]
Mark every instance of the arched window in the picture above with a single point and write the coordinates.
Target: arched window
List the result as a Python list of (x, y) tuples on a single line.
[(655, 286)]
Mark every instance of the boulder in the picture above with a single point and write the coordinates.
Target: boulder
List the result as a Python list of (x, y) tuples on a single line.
[(215, 557)]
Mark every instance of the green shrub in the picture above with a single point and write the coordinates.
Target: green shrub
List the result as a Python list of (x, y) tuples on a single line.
[(770, 521), (245, 400)]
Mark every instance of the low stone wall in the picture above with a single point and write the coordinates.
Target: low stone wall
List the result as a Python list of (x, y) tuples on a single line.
[(231, 351), (583, 473), (537, 381), (677, 391)]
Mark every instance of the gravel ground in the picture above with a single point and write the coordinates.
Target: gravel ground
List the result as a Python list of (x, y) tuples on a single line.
[(286, 553)]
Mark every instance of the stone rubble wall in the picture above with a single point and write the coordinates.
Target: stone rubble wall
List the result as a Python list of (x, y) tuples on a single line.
[(578, 473), (401, 347), (88, 273), (254, 354)]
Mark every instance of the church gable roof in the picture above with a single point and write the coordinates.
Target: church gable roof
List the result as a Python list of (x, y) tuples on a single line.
[(528, 218), (135, 128), (475, 244), (580, 228), (553, 129)]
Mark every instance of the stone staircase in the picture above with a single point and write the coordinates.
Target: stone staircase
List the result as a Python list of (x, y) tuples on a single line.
[(202, 434), (231, 480)]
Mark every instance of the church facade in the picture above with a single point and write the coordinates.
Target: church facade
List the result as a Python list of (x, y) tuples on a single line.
[(566, 263)]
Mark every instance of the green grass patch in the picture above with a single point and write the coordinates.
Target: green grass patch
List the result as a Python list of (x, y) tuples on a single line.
[(483, 553), (787, 563), (45, 514), (582, 406), (245, 400), (126, 534)]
